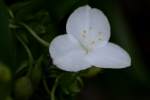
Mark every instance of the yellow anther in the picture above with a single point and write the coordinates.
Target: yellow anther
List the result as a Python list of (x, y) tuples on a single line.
[(83, 34)]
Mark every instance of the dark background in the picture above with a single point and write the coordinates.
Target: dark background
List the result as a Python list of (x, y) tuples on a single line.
[(137, 15)]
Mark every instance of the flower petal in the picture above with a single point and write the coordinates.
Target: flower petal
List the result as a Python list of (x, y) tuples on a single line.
[(99, 25), (109, 56), (89, 26), (67, 54)]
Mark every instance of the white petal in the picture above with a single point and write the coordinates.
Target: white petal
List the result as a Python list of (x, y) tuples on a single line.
[(109, 56), (99, 25), (67, 54), (89, 25)]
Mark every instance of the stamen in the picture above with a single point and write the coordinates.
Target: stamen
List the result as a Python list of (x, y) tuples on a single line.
[(93, 42), (83, 34), (84, 31)]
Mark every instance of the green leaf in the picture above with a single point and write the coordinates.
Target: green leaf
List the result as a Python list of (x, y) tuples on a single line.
[(27, 8), (70, 84)]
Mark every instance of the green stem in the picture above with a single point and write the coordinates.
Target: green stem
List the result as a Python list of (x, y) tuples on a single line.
[(11, 13), (12, 26), (33, 33), (80, 81), (46, 87), (29, 54), (52, 92), (54, 87), (22, 66)]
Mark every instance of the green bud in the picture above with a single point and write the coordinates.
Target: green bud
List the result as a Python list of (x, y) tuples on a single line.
[(91, 72), (5, 81), (23, 88), (36, 75), (5, 74), (8, 98)]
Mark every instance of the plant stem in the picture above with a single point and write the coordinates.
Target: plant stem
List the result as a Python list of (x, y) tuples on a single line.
[(46, 87), (11, 13), (12, 26), (54, 87), (22, 66), (29, 54), (52, 92), (33, 33)]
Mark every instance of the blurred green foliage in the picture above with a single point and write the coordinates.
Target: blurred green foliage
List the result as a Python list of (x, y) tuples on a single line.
[(6, 38), (6, 53)]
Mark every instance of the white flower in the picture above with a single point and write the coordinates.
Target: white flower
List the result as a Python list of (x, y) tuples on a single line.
[(87, 43)]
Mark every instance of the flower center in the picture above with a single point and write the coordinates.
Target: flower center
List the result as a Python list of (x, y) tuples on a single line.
[(90, 40)]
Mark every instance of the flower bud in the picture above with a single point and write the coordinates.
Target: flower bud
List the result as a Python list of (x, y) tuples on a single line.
[(8, 98), (91, 72), (36, 75), (5, 74), (23, 88)]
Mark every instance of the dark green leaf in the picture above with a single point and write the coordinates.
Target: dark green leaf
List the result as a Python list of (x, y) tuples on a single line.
[(22, 10), (6, 52), (6, 42), (70, 84)]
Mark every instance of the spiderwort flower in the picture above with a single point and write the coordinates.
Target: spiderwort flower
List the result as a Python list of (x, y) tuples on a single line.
[(87, 43)]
